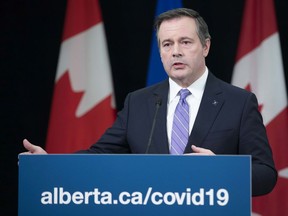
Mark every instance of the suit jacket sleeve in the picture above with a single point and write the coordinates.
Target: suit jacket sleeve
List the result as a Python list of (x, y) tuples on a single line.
[(114, 139), (253, 139)]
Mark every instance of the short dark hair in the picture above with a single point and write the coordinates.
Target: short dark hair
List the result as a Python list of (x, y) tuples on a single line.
[(201, 26)]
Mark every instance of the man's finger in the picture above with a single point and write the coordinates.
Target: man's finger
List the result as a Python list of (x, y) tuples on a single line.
[(201, 151), (29, 146), (196, 149)]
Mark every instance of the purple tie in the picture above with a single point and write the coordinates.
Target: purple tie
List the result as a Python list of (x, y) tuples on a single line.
[(180, 127)]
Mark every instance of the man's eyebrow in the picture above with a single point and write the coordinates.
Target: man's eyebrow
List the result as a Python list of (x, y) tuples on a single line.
[(166, 40), (181, 38), (184, 38)]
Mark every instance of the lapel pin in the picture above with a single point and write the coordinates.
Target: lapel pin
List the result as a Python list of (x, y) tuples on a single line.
[(215, 103)]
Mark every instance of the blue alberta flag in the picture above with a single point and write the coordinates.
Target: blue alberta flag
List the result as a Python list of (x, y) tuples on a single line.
[(156, 72)]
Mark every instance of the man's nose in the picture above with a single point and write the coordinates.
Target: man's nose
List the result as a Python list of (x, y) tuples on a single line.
[(177, 52)]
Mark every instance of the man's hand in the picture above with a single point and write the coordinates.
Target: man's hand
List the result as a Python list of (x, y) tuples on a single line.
[(201, 151), (32, 149)]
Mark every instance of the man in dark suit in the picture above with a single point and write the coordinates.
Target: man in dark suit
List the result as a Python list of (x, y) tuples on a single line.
[(222, 119)]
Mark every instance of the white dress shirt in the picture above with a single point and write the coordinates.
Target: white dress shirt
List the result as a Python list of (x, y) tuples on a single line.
[(193, 100)]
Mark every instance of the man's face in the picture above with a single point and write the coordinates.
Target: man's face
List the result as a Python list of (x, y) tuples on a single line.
[(182, 53)]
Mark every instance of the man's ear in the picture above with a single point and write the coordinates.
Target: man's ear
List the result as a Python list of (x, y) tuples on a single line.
[(206, 48)]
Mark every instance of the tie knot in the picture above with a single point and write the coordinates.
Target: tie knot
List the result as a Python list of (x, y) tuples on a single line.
[(184, 93)]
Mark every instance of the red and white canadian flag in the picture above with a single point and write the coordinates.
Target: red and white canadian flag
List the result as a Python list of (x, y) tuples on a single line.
[(83, 101), (259, 69)]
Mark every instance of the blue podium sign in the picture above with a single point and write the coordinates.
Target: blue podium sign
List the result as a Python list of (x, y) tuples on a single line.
[(134, 185)]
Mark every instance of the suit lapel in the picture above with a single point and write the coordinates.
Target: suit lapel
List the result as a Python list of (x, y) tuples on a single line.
[(159, 140), (210, 106)]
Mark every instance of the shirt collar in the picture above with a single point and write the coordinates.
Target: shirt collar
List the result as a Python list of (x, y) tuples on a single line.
[(196, 88)]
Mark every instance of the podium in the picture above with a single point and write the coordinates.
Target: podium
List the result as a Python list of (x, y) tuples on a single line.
[(134, 185)]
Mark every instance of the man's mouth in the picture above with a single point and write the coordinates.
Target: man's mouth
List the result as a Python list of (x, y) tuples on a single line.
[(178, 65)]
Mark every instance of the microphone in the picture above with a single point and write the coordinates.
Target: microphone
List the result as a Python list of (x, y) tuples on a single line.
[(158, 104)]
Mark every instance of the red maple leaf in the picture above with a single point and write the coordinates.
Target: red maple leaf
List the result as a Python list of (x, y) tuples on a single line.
[(68, 133)]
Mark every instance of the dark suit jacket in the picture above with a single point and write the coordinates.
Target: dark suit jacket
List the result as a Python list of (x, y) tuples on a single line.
[(228, 122)]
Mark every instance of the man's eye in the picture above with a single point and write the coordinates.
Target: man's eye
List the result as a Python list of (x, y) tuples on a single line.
[(166, 45)]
